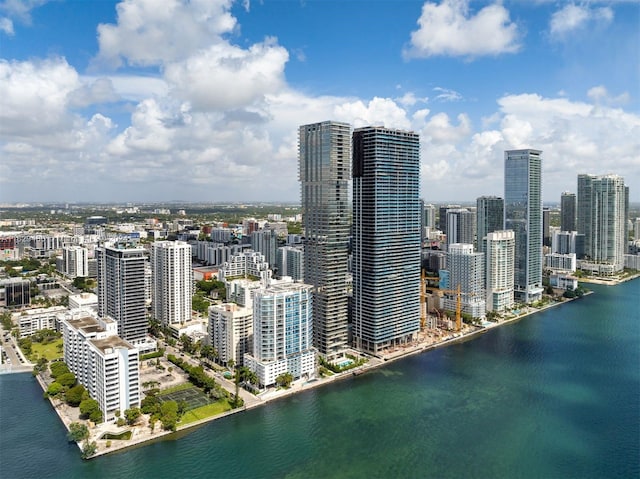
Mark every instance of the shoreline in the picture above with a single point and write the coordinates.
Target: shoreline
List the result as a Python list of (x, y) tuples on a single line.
[(142, 435)]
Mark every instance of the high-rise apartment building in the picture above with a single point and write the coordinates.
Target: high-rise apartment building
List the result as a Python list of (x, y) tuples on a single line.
[(121, 288), (325, 159), (499, 250), (602, 218), (546, 227), (465, 270), (429, 216), (172, 282), (231, 332), (489, 218), (386, 237), (290, 261), (282, 333), (265, 241), (76, 261), (106, 365), (461, 226), (523, 215), (568, 211)]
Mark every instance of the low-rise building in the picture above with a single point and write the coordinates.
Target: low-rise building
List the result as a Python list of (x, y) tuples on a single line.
[(83, 300), (33, 320)]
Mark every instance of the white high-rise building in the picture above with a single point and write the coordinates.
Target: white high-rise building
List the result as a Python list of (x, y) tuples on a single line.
[(282, 333), (231, 332), (76, 261), (121, 289), (172, 280), (291, 262), (499, 249), (466, 270), (106, 365), (523, 215)]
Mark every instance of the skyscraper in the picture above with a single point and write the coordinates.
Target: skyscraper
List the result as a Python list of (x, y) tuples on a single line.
[(265, 241), (460, 226), (282, 333), (466, 271), (523, 215), (499, 253), (325, 159), (386, 237), (489, 218), (172, 282), (568, 211), (121, 289), (602, 218), (546, 226)]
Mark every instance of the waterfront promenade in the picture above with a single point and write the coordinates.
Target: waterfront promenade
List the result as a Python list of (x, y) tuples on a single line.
[(142, 433)]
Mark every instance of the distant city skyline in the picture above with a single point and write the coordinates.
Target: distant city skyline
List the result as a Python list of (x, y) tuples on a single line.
[(203, 103)]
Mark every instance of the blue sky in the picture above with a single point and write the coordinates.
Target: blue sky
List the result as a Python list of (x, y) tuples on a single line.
[(200, 100)]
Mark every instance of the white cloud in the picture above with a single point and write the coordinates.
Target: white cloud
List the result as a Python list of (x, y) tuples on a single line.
[(223, 117), (35, 96), (225, 76), (6, 26), (98, 91), (445, 94), (20, 9), (449, 29), (572, 17), (148, 35)]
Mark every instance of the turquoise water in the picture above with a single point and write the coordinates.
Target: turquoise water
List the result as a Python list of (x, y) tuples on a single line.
[(556, 395)]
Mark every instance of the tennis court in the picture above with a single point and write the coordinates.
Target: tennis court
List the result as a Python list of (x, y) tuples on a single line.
[(192, 396)]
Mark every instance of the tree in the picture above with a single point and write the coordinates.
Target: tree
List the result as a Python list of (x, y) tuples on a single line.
[(67, 379), (132, 415), (89, 408), (284, 380), (169, 415), (77, 432), (88, 449), (54, 389), (75, 395), (58, 368)]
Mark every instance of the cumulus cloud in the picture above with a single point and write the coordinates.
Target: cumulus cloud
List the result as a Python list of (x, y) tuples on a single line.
[(450, 29), (35, 95), (225, 76), (222, 117), (148, 35), (572, 17)]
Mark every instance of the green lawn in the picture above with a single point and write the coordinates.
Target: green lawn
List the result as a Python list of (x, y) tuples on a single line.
[(178, 387), (49, 351), (204, 412)]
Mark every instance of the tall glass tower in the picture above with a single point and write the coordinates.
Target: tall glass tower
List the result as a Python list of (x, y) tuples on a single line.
[(325, 161), (386, 238), (489, 218), (121, 289), (602, 218), (568, 211), (523, 215)]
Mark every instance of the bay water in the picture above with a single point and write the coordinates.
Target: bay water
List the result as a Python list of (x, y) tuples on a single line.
[(555, 395)]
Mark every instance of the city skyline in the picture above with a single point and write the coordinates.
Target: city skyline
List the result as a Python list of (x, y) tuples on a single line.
[(103, 111)]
